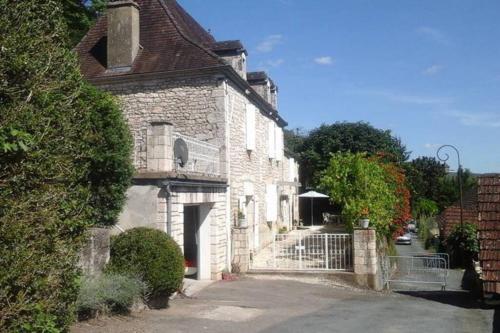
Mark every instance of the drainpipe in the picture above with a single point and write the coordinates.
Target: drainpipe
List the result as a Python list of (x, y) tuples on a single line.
[(168, 190)]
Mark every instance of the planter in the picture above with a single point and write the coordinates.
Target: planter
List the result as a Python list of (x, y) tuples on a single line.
[(364, 223)]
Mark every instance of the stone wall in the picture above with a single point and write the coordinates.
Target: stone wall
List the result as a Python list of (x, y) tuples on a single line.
[(193, 106), (240, 250), (95, 253)]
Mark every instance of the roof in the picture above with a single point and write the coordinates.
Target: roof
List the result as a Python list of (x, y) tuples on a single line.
[(228, 46), (170, 39), (171, 42), (489, 231), (256, 78)]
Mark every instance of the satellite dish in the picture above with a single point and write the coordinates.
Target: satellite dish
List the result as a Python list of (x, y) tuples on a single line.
[(181, 152)]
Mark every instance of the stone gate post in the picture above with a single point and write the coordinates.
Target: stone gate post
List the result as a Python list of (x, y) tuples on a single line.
[(365, 258)]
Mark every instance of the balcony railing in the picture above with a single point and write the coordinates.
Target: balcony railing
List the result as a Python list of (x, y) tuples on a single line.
[(204, 158)]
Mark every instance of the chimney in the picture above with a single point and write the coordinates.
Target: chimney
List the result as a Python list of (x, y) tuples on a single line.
[(123, 34)]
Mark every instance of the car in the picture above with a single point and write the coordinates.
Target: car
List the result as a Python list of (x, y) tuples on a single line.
[(404, 240)]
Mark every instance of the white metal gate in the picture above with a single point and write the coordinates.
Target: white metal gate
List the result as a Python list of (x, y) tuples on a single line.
[(303, 252)]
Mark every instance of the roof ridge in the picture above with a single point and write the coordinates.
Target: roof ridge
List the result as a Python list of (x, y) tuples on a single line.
[(185, 35)]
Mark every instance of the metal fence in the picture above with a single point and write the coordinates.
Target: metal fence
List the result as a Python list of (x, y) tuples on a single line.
[(204, 157), (421, 270), (312, 252)]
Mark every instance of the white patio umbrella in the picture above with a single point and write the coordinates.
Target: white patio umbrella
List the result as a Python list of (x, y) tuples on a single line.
[(312, 195)]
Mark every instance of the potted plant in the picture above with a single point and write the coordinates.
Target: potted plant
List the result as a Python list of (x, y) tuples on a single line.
[(364, 219), (242, 221)]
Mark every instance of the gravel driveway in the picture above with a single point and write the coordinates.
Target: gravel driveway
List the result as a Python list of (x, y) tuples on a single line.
[(265, 304)]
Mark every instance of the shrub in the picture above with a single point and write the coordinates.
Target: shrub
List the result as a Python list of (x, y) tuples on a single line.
[(150, 254), (109, 293), (463, 245), (64, 165), (360, 186)]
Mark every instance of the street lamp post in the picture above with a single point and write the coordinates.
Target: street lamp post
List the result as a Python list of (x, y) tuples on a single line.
[(445, 157)]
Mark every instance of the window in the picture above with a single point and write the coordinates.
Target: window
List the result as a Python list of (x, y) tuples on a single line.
[(250, 127)]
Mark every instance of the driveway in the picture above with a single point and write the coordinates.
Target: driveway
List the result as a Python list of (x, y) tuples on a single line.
[(271, 304), (454, 280)]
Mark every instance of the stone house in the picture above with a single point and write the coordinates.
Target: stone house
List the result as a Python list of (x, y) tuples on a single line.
[(208, 151)]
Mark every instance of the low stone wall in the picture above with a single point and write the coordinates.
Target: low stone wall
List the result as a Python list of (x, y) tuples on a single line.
[(95, 253), (240, 261)]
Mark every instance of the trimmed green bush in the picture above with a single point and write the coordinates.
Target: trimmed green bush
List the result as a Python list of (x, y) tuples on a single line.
[(150, 254), (108, 294)]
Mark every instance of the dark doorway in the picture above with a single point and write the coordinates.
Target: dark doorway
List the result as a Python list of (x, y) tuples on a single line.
[(191, 226)]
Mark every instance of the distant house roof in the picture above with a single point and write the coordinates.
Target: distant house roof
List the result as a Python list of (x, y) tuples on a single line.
[(450, 217), (171, 42)]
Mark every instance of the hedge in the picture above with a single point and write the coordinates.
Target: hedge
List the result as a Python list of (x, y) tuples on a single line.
[(64, 166)]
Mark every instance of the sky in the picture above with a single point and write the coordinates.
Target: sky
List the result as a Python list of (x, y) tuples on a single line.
[(427, 70)]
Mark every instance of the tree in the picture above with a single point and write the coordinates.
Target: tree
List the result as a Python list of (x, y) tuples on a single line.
[(64, 165), (346, 137), (294, 139), (429, 180), (361, 187), (424, 177)]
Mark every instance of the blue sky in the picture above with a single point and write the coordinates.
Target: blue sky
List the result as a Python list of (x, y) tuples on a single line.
[(427, 70)]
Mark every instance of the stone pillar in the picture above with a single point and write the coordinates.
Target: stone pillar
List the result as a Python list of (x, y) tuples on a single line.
[(160, 149), (241, 252), (365, 258)]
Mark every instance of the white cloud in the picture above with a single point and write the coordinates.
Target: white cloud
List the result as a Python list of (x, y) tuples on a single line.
[(325, 60), (436, 35), (399, 97), (479, 119), (432, 70), (269, 43)]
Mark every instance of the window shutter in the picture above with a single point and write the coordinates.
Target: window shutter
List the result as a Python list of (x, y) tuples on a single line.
[(250, 127), (291, 169), (279, 142), (271, 140), (271, 203)]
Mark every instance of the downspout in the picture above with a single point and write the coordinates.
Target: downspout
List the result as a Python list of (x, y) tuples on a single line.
[(168, 191)]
